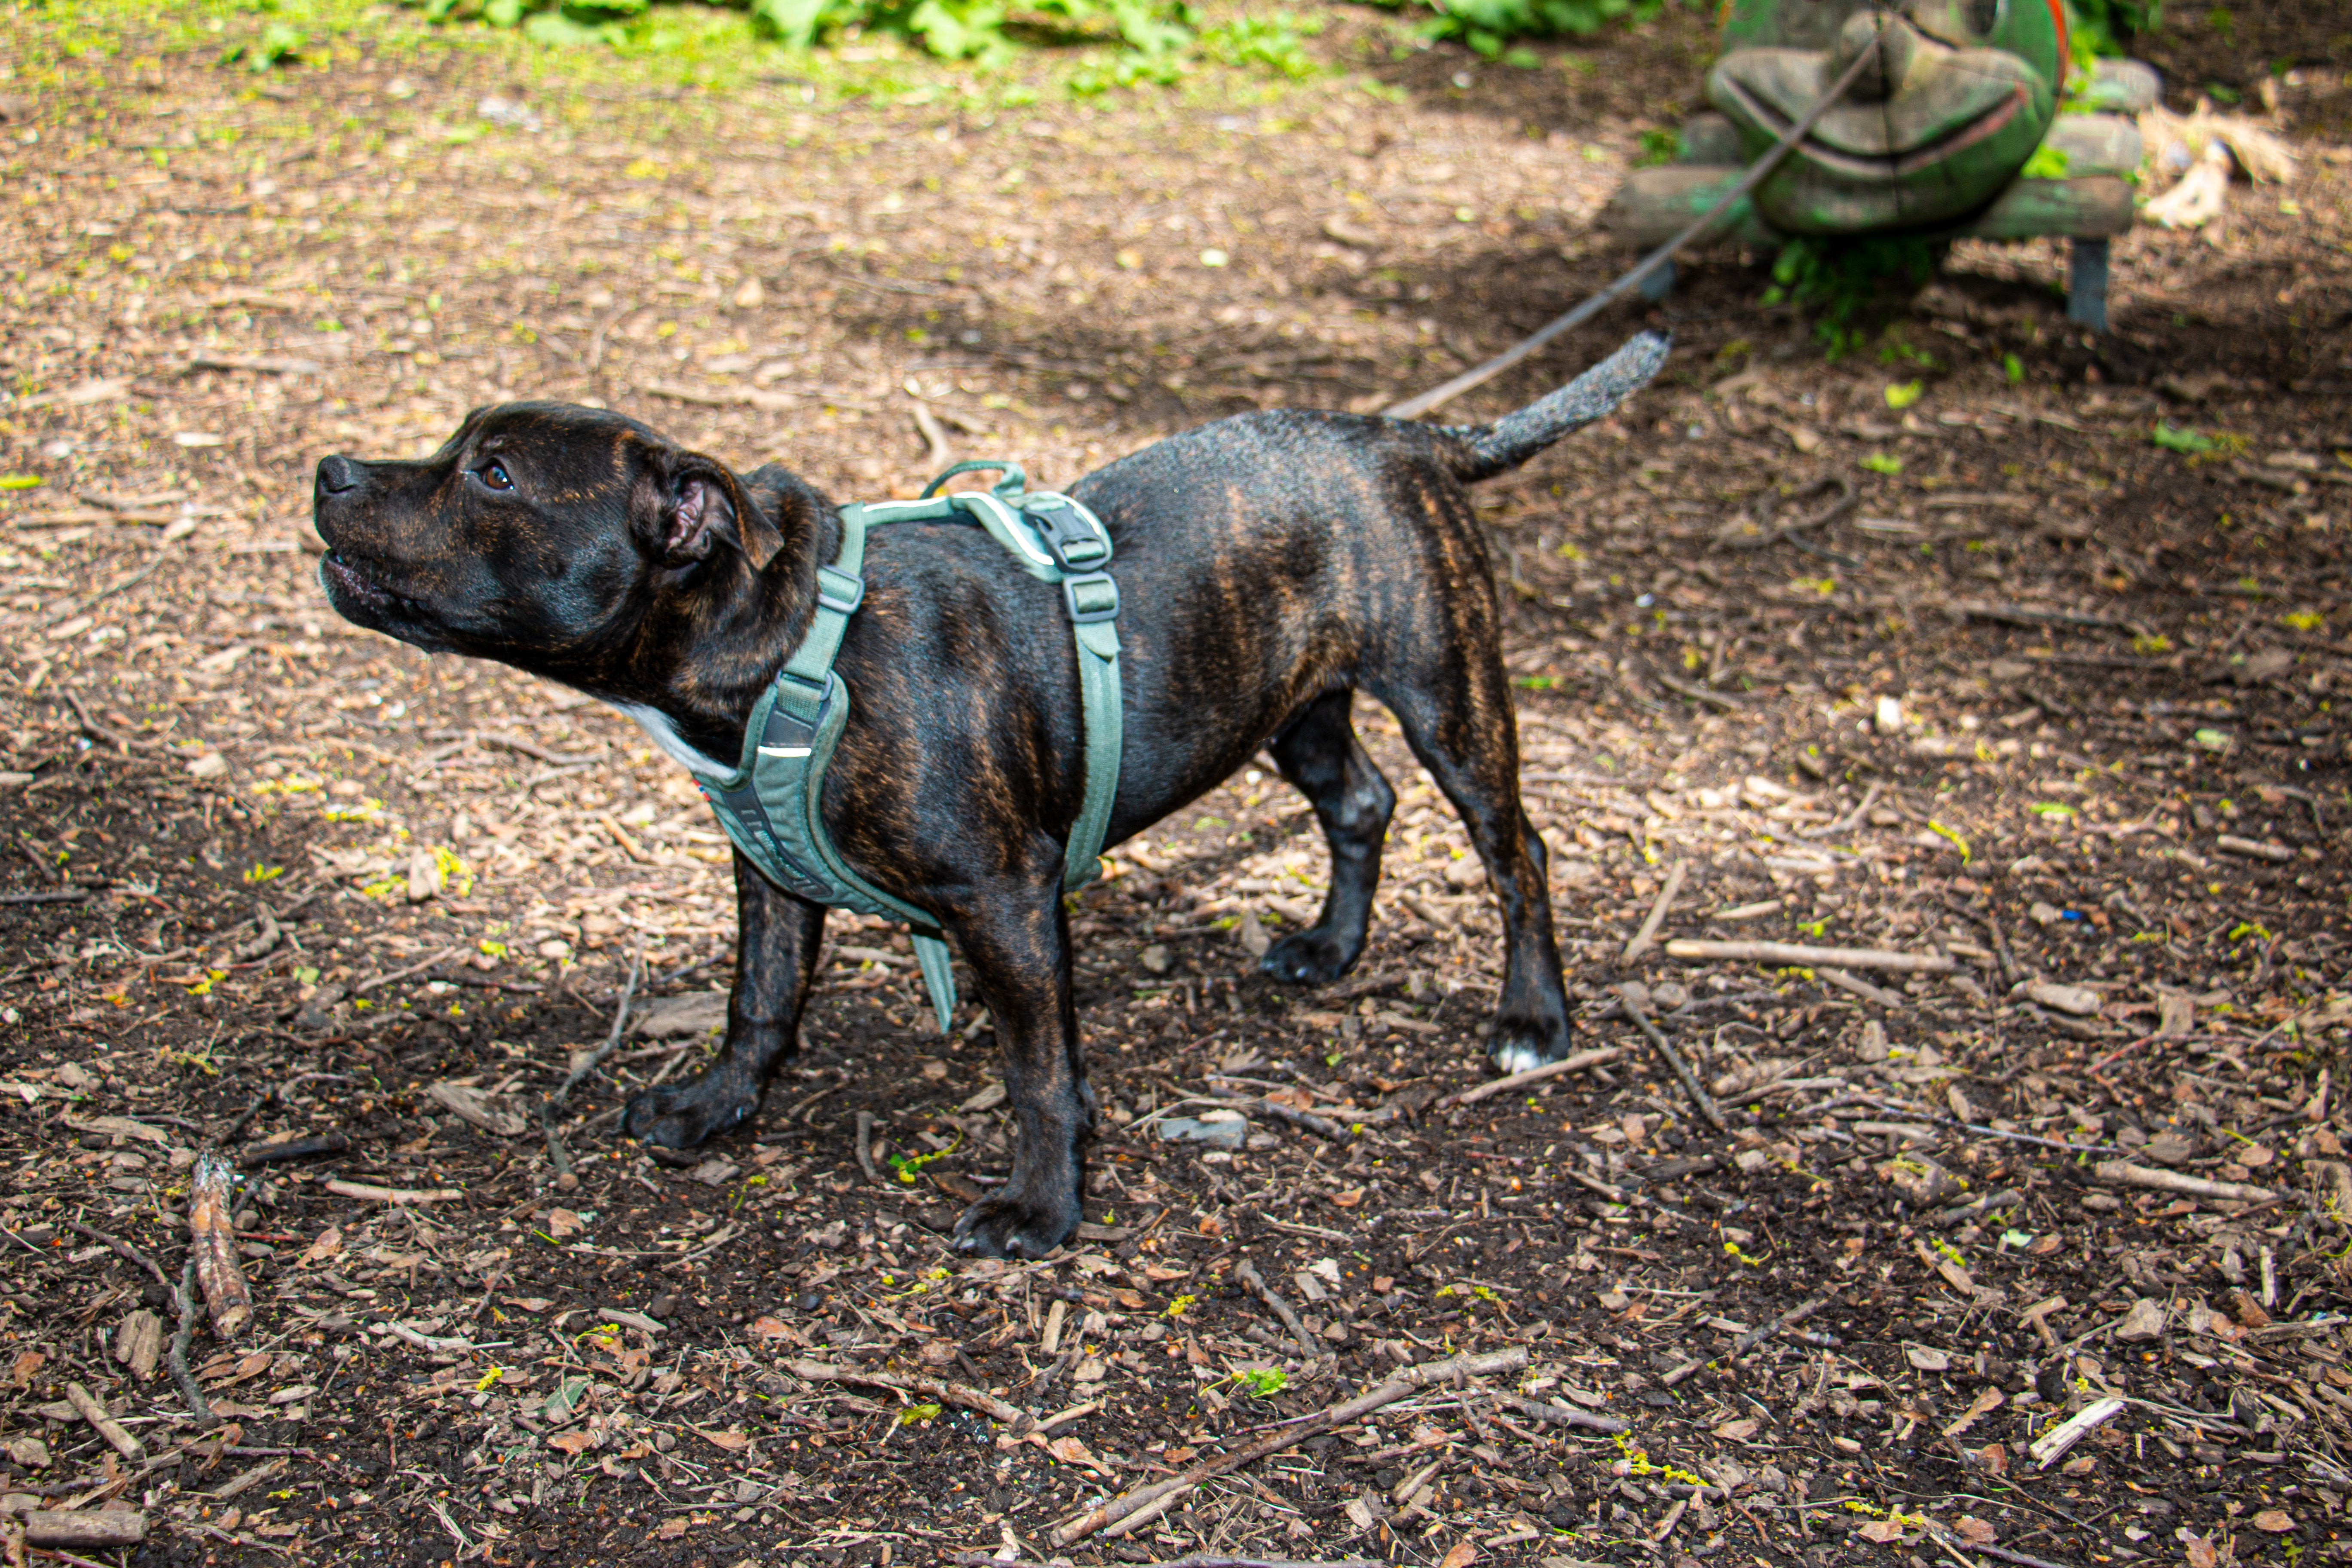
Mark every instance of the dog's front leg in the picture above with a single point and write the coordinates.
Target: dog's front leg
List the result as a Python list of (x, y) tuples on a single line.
[(1020, 953), (777, 937)]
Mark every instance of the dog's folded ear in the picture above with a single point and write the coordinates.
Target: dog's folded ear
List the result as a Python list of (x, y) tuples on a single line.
[(685, 505)]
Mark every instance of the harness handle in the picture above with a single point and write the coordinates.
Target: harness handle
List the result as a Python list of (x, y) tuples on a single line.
[(1008, 488)]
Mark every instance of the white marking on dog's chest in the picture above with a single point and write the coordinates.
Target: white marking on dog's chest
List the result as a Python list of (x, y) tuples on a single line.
[(656, 724)]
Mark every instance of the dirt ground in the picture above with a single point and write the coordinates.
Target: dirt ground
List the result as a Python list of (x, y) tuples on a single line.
[(2047, 712)]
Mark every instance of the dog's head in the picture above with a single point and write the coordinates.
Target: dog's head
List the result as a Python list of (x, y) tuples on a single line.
[(541, 534)]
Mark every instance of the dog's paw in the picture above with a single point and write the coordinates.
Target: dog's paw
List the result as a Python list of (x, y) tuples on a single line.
[(1311, 957), (684, 1114), (1523, 1043), (1008, 1227)]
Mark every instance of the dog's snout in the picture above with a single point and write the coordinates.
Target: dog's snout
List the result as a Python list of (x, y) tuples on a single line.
[(337, 475)]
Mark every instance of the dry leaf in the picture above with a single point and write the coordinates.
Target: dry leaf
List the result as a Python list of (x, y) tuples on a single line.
[(330, 1242), (1347, 1199), (1995, 1458), (1070, 1451), (732, 1441), (768, 1328), (579, 1440), (1740, 1431), (2275, 1521), (2201, 1552), (1974, 1530), (1883, 1530), (1462, 1556), (1927, 1358)]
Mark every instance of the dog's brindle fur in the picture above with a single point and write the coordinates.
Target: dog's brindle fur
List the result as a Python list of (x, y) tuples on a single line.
[(1269, 566)]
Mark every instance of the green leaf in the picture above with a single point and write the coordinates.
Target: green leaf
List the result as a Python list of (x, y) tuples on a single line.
[(1883, 463), (1902, 397), (2048, 162), (2177, 440)]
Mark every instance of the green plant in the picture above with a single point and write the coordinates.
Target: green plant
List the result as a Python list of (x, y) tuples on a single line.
[(1271, 42), (1848, 285), (2108, 26), (1487, 25), (1660, 145), (279, 44)]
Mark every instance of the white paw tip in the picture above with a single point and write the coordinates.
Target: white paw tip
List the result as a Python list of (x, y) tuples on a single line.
[(1518, 1058)]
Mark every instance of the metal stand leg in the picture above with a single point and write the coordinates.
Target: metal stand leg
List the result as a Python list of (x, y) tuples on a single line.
[(2087, 285), (1659, 281)]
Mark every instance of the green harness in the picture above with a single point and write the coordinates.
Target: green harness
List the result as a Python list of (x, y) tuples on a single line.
[(769, 804)]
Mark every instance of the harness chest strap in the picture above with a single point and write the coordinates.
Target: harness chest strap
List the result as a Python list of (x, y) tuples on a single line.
[(770, 806)]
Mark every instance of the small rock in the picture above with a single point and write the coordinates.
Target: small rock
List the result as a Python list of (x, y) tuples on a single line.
[(2274, 1520), (716, 1173), (1926, 1358), (2171, 1147), (1887, 720), (751, 296), (1467, 872), (1155, 958), (1254, 940), (424, 875), (2145, 1321), (2044, 914), (30, 1452), (1671, 994), (2079, 1000)]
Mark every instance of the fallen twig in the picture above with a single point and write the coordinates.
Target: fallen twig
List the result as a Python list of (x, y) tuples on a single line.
[(104, 1424), (1789, 1318), (1628, 999), (198, 1406), (364, 986), (954, 1393), (552, 1106), (212, 1244), (2175, 1181), (1577, 1063), (367, 1193), (124, 1250), (1560, 1414), (1794, 954), (1305, 1120), (1406, 1383), (1642, 939), (294, 1149), (94, 1528), (2052, 1444), (1855, 984), (1248, 1275)]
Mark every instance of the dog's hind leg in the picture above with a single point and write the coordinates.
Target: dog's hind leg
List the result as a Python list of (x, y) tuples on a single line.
[(1318, 752), (1457, 717), (777, 936)]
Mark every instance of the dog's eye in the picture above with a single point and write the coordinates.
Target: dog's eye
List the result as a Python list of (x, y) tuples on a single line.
[(494, 474)]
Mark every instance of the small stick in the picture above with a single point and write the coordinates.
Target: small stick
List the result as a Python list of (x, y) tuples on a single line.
[(364, 986), (865, 1145), (2174, 1181), (1665, 1047), (1407, 1382), (1577, 1063), (2053, 1442), (928, 425), (1890, 1000), (1789, 1318), (368, 1194), (1305, 1120), (212, 1245), (552, 1106), (1248, 1275), (295, 1148), (198, 1406), (1642, 943), (104, 1424), (1561, 1415), (955, 1393), (1795, 953), (124, 1250)]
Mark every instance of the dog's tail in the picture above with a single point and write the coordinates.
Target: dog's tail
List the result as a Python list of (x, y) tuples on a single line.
[(1484, 450)]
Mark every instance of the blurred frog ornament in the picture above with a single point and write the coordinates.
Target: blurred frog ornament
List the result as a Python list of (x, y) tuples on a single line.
[(1969, 118)]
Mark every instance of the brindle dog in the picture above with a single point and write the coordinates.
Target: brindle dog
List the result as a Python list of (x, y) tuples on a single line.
[(1269, 567)]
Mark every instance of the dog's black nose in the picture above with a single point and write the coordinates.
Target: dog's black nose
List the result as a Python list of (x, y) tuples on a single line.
[(338, 474)]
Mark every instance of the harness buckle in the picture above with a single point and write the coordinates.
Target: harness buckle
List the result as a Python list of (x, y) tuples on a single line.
[(1091, 597), (839, 590), (1072, 535)]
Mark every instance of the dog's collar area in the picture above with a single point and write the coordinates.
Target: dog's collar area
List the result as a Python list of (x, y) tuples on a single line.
[(769, 805)]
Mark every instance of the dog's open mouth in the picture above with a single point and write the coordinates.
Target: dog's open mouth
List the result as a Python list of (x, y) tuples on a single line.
[(362, 592)]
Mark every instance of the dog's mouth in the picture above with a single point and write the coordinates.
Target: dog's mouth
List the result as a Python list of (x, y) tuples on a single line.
[(355, 590)]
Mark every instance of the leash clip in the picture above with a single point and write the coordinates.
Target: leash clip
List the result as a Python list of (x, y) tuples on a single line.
[(1092, 596)]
